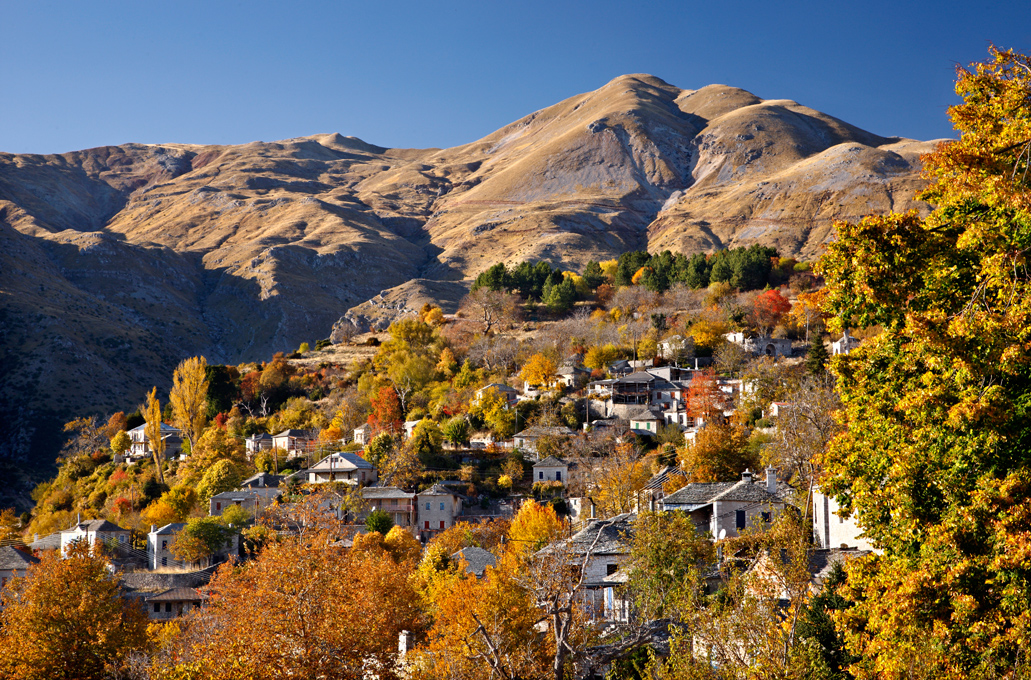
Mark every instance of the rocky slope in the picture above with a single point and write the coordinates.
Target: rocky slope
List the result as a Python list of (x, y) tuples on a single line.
[(116, 262)]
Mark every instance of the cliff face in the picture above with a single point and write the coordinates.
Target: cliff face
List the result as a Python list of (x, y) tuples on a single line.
[(119, 261)]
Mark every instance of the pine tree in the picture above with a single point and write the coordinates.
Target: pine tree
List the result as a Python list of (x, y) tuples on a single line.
[(816, 359)]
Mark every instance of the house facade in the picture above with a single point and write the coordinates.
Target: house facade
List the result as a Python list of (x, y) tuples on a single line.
[(831, 529), (173, 603), (724, 509), (258, 442), (527, 439), (438, 507), (510, 394), (349, 468), (159, 543), (551, 469), (139, 445), (843, 345), (92, 532), (296, 443), (399, 504), (252, 499)]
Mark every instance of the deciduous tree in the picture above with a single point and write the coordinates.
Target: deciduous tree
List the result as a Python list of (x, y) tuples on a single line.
[(189, 397), (152, 412)]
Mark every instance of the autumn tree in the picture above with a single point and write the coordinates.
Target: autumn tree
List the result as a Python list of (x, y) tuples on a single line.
[(386, 415), (768, 309), (538, 370), (152, 413), (933, 461), (189, 397), (120, 443), (68, 620), (491, 308), (720, 452), (303, 609), (201, 538)]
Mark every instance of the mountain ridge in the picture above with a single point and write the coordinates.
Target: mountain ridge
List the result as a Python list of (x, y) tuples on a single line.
[(121, 260)]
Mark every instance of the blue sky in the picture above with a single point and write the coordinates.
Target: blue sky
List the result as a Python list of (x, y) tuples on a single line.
[(419, 74)]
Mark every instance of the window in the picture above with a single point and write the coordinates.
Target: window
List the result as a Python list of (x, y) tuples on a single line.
[(427, 506), (164, 561), (164, 545), (441, 524), (611, 569), (218, 506), (540, 474), (427, 524), (558, 475), (168, 607), (442, 507), (157, 607), (740, 519), (766, 517)]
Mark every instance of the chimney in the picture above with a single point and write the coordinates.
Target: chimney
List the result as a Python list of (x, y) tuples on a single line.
[(746, 476), (35, 537), (771, 479), (153, 528)]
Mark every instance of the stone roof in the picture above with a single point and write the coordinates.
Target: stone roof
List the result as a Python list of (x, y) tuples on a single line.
[(262, 480), (178, 595), (169, 529), (94, 525), (551, 461), (440, 490), (259, 437), (638, 377), (250, 492), (643, 413), (50, 542), (498, 386), (540, 431), (373, 492), (748, 490), (11, 558), (697, 494), (821, 562), (477, 560), (615, 536), (342, 461), (296, 433)]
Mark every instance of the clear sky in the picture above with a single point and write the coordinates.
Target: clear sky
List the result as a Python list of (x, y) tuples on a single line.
[(420, 74)]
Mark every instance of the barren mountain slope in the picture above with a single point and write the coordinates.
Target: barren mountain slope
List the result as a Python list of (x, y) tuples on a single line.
[(119, 261)]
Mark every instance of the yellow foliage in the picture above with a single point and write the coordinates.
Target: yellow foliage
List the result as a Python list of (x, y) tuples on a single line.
[(401, 545), (534, 526)]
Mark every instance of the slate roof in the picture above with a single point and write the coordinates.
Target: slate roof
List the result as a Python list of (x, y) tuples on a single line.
[(51, 542), (373, 492), (262, 480), (169, 529), (498, 386), (11, 558), (342, 461), (744, 491), (165, 429), (296, 433), (440, 490), (551, 461), (178, 595), (643, 413), (95, 525), (821, 562), (259, 437), (638, 377), (539, 431), (249, 493), (477, 560), (615, 536)]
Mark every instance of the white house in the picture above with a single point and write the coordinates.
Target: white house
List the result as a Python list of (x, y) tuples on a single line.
[(363, 434), (676, 347), (93, 531), (573, 377), (644, 421), (257, 442), (605, 543), (725, 508), (139, 446), (843, 345), (832, 530), (438, 507), (159, 542), (296, 443), (342, 467), (763, 345), (551, 469)]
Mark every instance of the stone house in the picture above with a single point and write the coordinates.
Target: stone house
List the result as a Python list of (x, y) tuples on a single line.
[(476, 560), (573, 377), (527, 439), (258, 442), (438, 507), (843, 345), (363, 434), (605, 544), (252, 499), (763, 345), (644, 421), (14, 563), (173, 603), (675, 347), (399, 504), (93, 531), (159, 542), (342, 467), (551, 469), (725, 508)]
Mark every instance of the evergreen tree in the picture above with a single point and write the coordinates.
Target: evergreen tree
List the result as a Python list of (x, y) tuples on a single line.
[(816, 359)]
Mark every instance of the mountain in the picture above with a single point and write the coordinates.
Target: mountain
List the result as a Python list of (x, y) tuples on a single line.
[(119, 261)]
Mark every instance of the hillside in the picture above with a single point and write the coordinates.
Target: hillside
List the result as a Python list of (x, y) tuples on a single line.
[(119, 261)]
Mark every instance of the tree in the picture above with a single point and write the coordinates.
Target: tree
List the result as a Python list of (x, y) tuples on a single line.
[(120, 443), (189, 397), (817, 357), (67, 620), (933, 460), (456, 431), (152, 412), (593, 275), (220, 477), (491, 307), (379, 521), (719, 453), (534, 526), (386, 415), (768, 309), (303, 609), (538, 370), (201, 538)]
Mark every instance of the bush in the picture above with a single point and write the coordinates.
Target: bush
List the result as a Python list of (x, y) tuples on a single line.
[(380, 521), (323, 344)]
